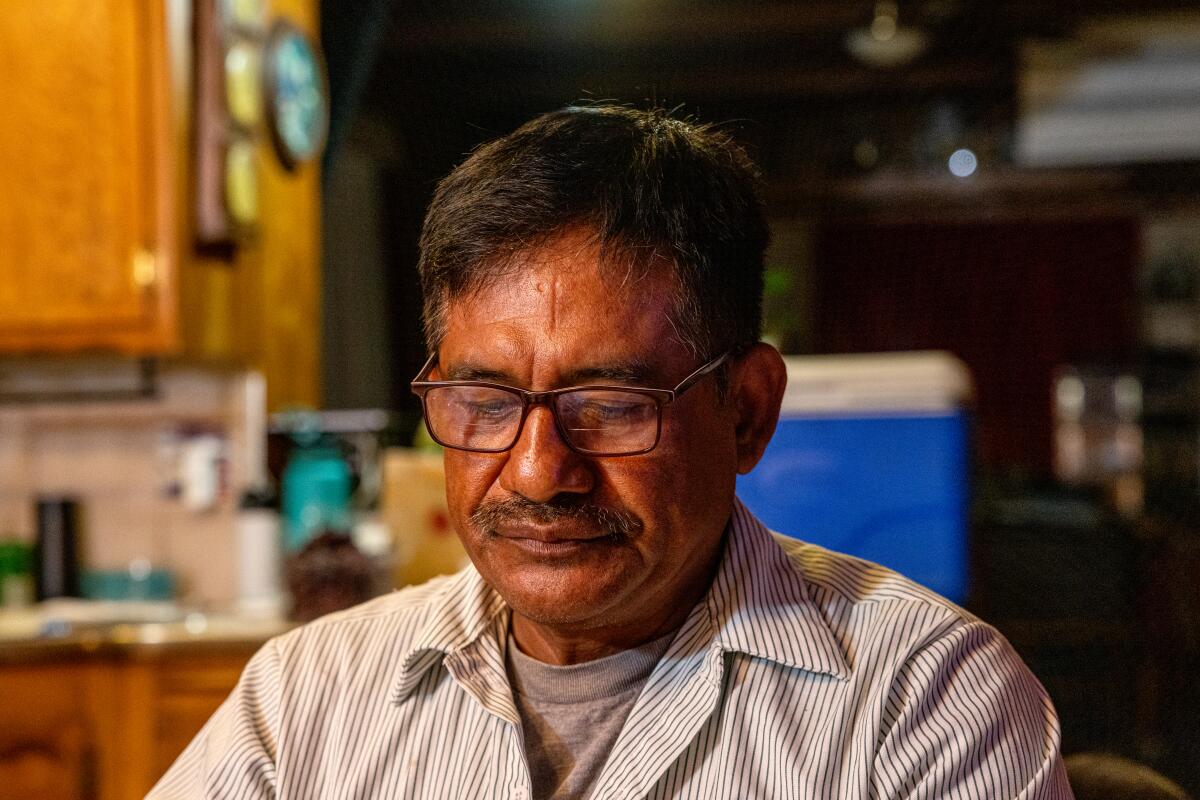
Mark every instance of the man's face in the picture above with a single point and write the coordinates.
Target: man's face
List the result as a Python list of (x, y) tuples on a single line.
[(581, 542)]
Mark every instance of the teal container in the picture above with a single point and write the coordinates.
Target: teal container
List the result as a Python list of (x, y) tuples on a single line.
[(128, 584), (316, 493)]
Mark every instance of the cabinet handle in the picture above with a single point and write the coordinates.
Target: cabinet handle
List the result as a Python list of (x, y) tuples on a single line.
[(145, 268)]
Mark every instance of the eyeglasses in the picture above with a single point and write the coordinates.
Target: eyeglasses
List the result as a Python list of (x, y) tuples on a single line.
[(593, 420)]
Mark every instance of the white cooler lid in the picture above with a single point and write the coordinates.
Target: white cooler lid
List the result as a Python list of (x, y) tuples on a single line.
[(931, 381)]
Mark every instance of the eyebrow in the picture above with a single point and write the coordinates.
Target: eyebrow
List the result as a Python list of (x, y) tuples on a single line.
[(633, 372), (474, 372)]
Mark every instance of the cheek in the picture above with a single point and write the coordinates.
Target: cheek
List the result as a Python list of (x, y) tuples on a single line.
[(704, 440), (696, 470), (469, 476), (684, 479)]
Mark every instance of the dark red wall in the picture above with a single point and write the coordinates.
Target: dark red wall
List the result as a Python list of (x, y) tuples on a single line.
[(1014, 300)]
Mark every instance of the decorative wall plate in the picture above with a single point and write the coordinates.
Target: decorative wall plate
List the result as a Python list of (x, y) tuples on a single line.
[(297, 93)]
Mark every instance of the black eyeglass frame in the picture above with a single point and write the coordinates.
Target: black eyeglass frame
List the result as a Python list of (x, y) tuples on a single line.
[(529, 399)]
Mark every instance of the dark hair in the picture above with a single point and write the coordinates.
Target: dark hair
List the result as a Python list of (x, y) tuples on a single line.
[(646, 184)]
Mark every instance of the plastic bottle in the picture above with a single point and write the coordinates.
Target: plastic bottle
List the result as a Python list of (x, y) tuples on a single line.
[(259, 555)]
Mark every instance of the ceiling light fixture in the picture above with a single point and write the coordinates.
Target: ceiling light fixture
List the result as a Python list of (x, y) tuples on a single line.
[(885, 42)]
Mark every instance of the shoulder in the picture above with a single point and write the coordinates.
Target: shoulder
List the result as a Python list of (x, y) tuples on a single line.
[(890, 626), (836, 578), (940, 681), (872, 609), (804, 606)]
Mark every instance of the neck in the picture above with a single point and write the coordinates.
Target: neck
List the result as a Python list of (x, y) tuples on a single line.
[(553, 645)]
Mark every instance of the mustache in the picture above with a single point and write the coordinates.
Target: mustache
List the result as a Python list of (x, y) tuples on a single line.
[(491, 514)]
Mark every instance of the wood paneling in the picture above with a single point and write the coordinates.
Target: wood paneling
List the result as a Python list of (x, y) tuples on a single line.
[(260, 305)]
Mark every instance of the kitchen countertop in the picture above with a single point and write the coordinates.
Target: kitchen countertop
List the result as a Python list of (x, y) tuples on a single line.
[(41, 635)]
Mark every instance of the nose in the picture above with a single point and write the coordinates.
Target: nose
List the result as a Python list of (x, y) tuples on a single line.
[(540, 465)]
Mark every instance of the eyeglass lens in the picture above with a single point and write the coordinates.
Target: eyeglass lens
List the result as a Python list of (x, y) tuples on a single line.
[(596, 420)]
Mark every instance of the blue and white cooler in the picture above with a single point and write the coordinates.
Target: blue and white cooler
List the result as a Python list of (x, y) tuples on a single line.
[(871, 459)]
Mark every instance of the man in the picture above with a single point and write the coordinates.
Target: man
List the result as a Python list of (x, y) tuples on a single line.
[(593, 286)]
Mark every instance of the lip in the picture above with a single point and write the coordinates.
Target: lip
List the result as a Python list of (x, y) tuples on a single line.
[(551, 540), (550, 534), (560, 548)]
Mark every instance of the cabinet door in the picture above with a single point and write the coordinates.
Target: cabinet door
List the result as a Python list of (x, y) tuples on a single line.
[(189, 692), (45, 751), (86, 249)]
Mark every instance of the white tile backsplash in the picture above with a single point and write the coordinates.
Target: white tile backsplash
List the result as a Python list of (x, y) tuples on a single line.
[(115, 457)]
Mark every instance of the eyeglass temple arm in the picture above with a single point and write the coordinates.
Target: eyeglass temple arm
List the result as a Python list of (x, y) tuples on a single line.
[(687, 382), (423, 375)]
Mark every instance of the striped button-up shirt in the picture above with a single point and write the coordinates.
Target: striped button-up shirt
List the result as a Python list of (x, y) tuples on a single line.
[(801, 674)]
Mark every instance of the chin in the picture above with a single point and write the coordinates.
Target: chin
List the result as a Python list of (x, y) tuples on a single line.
[(555, 616), (558, 599)]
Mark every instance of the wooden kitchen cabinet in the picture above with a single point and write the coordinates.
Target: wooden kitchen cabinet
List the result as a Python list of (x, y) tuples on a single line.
[(97, 176), (44, 752), (104, 723), (87, 246)]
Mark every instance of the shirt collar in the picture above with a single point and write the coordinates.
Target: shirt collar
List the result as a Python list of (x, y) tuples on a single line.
[(456, 616), (758, 604)]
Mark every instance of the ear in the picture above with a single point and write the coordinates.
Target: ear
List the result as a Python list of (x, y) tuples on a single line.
[(758, 379)]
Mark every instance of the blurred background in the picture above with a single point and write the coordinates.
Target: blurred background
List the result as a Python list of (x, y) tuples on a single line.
[(985, 273)]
